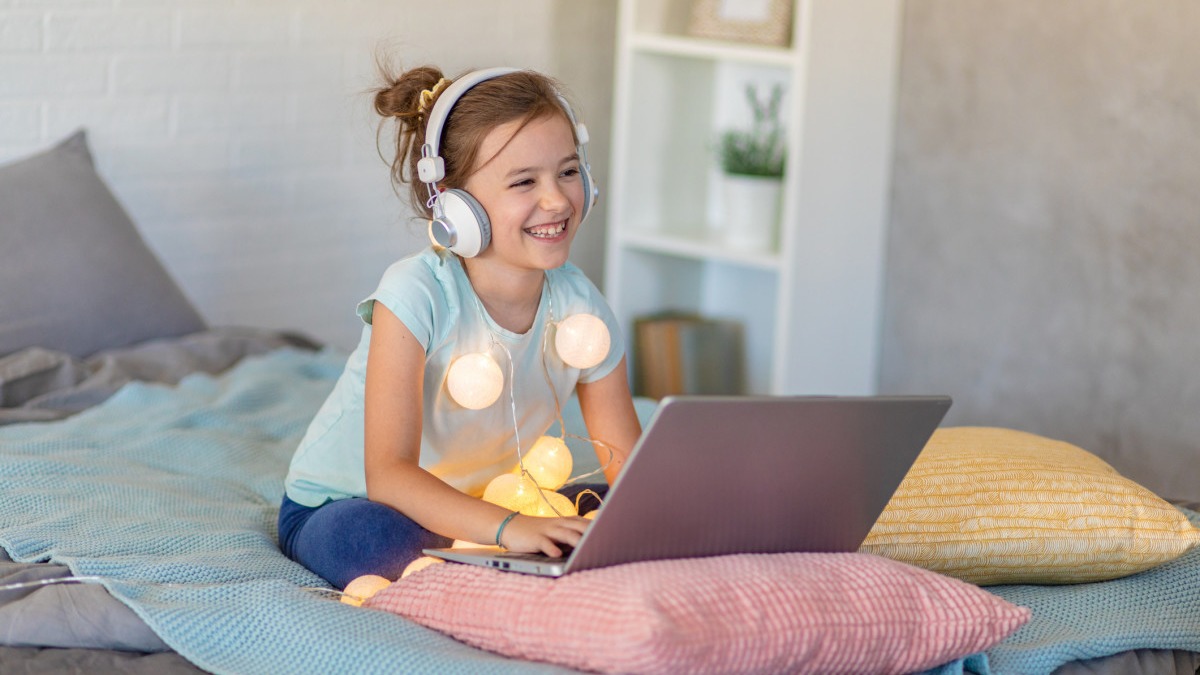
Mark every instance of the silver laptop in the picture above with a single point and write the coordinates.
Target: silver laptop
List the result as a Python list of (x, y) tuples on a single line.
[(716, 475)]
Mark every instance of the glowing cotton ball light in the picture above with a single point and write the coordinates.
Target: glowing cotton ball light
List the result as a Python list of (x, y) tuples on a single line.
[(475, 380), (512, 491), (582, 340), (463, 543), (420, 564), (549, 462), (553, 505), (362, 588)]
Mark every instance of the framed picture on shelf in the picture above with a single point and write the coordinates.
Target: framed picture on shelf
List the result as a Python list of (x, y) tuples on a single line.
[(764, 22)]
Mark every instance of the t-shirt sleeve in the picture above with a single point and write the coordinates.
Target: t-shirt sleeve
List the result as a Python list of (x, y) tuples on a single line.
[(410, 292)]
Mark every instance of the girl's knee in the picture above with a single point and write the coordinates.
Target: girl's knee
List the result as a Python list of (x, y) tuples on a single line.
[(348, 538)]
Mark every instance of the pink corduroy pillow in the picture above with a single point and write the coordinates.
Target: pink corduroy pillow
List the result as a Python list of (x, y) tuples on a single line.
[(768, 613)]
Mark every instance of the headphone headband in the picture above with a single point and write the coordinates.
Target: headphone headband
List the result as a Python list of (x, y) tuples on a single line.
[(445, 103)]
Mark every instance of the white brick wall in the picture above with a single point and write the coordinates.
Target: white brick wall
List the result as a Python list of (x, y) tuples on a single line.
[(238, 135)]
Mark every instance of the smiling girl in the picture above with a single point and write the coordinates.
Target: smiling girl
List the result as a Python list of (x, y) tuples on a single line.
[(393, 462)]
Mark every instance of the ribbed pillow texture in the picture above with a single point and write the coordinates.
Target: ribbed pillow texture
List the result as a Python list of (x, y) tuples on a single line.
[(1000, 506), (747, 613)]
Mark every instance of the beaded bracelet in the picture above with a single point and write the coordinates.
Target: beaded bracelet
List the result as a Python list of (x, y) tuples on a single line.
[(504, 524)]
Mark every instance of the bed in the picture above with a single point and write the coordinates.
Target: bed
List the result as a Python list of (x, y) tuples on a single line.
[(142, 454)]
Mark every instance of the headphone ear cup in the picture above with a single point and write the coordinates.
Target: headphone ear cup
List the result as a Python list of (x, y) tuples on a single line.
[(590, 191), (463, 226)]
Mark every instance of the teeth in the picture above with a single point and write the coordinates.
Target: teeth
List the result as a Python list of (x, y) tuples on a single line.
[(547, 230)]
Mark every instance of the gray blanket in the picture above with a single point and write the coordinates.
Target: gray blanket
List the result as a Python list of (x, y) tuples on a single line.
[(39, 385), (66, 615)]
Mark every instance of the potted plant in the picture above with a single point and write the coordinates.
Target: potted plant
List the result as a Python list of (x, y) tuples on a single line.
[(752, 162)]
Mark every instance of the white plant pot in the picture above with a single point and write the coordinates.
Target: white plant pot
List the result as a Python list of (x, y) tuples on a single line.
[(752, 207)]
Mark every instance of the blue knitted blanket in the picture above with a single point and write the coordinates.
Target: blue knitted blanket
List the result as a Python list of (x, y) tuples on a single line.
[(170, 495), (1157, 609)]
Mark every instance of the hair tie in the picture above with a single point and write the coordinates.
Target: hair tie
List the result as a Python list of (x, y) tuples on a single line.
[(428, 95)]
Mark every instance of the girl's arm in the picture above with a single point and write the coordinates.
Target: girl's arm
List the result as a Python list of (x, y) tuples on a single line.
[(610, 416), (395, 380)]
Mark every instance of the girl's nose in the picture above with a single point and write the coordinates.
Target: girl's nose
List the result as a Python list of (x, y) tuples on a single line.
[(554, 199)]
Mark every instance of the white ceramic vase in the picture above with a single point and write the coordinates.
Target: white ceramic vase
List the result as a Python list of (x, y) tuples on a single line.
[(752, 208)]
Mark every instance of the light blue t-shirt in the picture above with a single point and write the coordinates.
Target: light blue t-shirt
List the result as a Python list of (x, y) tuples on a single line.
[(431, 294)]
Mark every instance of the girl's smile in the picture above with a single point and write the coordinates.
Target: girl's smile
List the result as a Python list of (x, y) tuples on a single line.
[(548, 232)]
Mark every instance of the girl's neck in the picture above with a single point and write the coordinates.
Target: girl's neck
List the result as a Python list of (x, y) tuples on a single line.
[(511, 297)]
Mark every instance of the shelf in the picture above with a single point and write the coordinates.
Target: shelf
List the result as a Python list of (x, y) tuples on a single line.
[(701, 249), (810, 307), (712, 50)]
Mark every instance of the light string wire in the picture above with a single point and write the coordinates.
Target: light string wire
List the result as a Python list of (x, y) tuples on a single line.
[(512, 394), (562, 425), (92, 579), (494, 341), (512, 397)]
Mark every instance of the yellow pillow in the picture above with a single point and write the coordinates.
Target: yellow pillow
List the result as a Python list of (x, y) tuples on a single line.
[(998, 506)]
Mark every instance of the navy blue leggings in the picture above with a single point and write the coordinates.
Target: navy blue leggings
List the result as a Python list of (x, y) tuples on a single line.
[(344, 539)]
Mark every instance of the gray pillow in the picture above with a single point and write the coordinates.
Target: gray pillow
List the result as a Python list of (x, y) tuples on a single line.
[(75, 275)]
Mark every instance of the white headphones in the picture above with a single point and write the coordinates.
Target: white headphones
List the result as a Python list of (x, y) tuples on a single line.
[(460, 222)]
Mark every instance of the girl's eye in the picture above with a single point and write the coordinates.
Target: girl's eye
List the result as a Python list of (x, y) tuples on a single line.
[(522, 183), (571, 172)]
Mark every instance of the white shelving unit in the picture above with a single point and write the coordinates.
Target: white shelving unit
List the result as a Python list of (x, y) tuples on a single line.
[(810, 305)]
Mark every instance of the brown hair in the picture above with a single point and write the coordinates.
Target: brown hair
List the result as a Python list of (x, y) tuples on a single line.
[(522, 95)]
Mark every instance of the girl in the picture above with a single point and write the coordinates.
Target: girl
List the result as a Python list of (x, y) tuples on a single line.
[(396, 460)]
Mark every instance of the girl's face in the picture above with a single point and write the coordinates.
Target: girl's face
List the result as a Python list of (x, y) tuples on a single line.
[(532, 191)]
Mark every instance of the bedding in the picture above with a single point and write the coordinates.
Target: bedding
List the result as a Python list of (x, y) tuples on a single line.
[(1156, 609), (47, 660), (67, 616), (40, 384), (168, 493)]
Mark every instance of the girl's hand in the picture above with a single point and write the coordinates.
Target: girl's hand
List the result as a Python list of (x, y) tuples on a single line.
[(533, 534)]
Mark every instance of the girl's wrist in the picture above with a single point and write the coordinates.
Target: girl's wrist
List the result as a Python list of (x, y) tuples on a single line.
[(503, 524)]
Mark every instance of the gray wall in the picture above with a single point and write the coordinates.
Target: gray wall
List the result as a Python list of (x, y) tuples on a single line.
[(1044, 251), (584, 37), (240, 137)]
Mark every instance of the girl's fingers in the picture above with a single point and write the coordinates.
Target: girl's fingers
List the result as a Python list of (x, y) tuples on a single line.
[(563, 531), (576, 524)]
